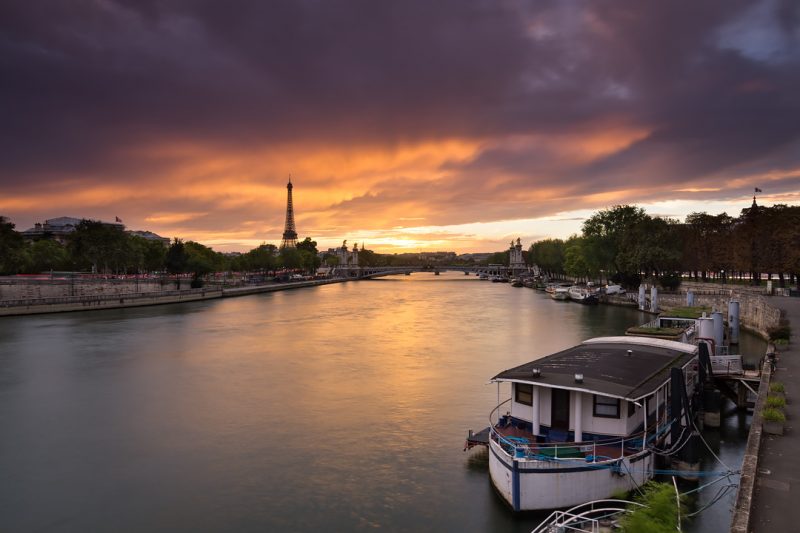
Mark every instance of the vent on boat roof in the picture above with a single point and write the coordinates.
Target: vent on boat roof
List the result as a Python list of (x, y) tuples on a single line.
[(578, 378), (537, 372)]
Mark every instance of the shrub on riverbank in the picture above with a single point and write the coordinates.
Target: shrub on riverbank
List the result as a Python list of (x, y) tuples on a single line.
[(781, 332), (661, 514), (670, 281)]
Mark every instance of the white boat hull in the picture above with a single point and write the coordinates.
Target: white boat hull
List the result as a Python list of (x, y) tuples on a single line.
[(534, 485)]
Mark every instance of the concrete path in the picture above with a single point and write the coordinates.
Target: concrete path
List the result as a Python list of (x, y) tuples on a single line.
[(776, 503)]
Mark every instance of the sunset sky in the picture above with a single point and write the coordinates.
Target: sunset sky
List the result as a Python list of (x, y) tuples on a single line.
[(408, 125)]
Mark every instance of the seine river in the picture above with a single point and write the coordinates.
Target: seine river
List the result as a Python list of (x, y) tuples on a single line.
[(336, 408)]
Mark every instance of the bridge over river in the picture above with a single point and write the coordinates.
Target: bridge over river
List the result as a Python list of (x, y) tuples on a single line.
[(374, 272)]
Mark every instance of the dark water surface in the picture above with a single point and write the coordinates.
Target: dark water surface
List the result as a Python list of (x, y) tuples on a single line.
[(336, 408)]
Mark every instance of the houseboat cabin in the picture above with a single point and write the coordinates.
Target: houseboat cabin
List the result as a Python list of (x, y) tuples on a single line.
[(582, 423)]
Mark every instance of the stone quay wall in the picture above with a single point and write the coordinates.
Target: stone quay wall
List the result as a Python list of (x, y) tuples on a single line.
[(22, 289), (740, 522), (755, 312)]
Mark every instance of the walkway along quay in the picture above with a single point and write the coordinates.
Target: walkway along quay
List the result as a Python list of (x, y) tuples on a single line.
[(32, 306), (773, 470)]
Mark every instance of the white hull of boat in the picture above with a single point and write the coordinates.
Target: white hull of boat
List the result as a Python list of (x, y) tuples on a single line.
[(560, 294), (535, 485)]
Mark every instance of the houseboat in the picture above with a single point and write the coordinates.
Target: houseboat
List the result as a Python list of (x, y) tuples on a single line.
[(584, 423)]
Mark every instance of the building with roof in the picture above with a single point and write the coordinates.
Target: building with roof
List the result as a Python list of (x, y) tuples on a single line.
[(149, 235), (59, 228)]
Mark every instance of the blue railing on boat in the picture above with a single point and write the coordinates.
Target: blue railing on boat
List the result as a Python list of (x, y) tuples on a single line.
[(596, 451)]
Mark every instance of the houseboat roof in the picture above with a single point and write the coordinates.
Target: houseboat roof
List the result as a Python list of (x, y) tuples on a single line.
[(622, 367)]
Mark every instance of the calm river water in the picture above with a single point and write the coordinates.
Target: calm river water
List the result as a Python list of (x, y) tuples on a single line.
[(336, 408)]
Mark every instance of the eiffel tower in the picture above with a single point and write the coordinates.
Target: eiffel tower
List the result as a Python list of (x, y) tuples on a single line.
[(289, 232)]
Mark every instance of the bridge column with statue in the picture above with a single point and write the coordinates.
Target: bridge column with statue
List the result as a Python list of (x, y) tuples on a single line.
[(348, 262), (516, 262)]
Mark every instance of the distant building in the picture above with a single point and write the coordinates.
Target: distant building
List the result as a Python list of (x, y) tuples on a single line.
[(150, 236), (476, 257), (59, 228)]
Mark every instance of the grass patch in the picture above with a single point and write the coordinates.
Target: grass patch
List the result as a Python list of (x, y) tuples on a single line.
[(687, 312), (776, 402), (773, 415), (776, 386), (659, 332)]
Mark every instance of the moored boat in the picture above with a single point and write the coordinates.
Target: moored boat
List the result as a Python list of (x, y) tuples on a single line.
[(582, 295), (582, 424), (559, 293)]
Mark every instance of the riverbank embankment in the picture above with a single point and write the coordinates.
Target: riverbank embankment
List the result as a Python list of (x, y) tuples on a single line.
[(757, 312), (96, 297)]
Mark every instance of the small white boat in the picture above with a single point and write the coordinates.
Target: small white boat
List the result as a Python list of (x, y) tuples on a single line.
[(582, 295), (559, 293)]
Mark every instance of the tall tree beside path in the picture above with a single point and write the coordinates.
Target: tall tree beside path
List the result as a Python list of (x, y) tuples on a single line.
[(176, 260), (13, 252)]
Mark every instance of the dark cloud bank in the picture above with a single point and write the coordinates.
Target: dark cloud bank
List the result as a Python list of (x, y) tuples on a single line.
[(716, 84)]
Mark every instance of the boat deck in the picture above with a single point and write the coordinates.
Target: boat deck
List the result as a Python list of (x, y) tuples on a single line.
[(562, 450)]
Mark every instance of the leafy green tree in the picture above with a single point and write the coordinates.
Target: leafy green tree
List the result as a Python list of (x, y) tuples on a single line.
[(308, 245), (202, 260), (548, 255), (14, 257), (605, 231), (368, 258), (499, 258), (98, 245), (264, 257), (290, 258), (707, 244), (649, 246), (47, 255), (309, 261), (575, 261), (177, 260), (149, 255)]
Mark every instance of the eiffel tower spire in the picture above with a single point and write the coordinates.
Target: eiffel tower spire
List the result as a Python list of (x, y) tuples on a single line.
[(289, 231)]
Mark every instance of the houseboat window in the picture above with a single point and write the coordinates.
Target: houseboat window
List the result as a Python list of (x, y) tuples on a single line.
[(631, 409), (606, 407), (523, 394)]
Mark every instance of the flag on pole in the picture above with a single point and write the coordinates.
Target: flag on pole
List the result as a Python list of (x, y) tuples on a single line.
[(758, 190)]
